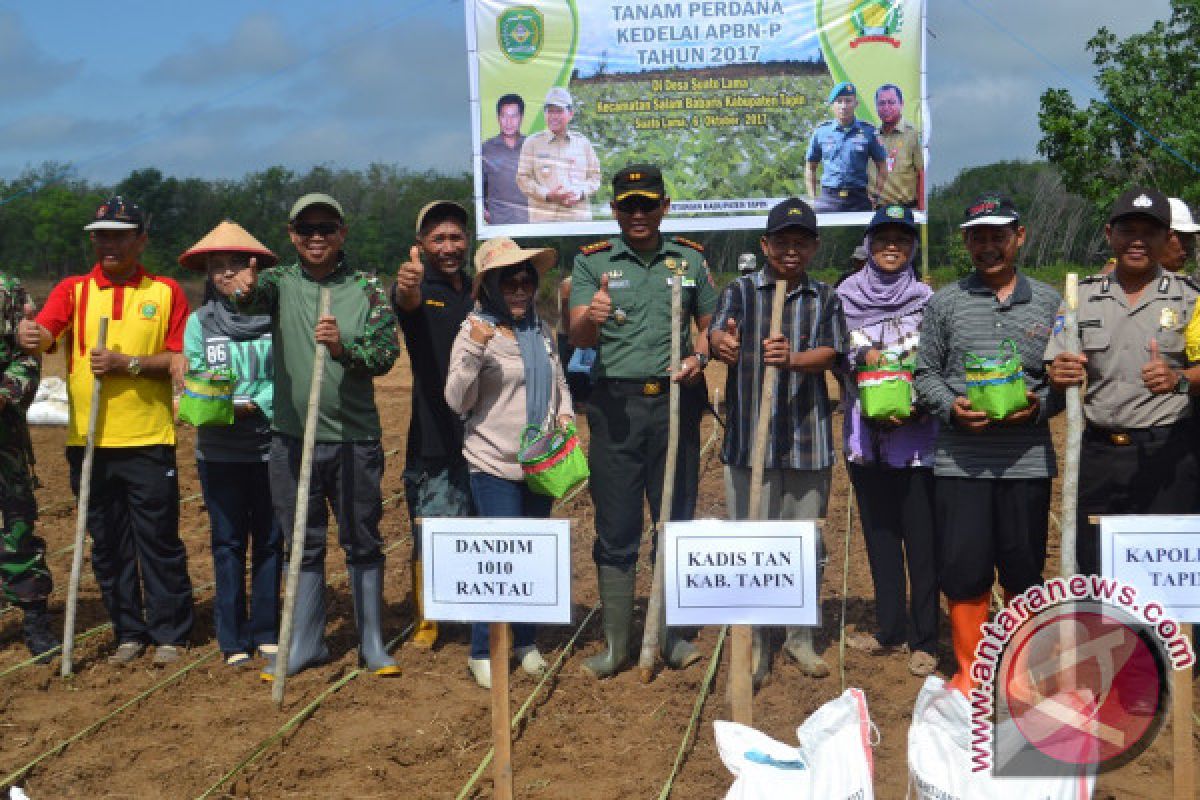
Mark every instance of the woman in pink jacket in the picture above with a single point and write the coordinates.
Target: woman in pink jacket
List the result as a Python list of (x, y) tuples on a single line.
[(505, 374)]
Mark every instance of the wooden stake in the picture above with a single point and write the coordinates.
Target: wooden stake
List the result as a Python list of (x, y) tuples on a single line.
[(1070, 486), (742, 654), (500, 644), (1184, 767), (85, 496), (300, 520), (654, 606)]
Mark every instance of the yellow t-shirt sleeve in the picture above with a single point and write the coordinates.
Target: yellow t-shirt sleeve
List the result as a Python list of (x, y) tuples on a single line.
[(1191, 335)]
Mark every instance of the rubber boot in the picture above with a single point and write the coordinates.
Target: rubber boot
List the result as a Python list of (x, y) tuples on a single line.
[(38, 637), (366, 586), (616, 596), (760, 656), (967, 618), (799, 645), (308, 626), (426, 633), (677, 652)]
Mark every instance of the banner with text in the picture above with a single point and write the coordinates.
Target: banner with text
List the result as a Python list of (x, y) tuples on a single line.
[(497, 569), (741, 573), (741, 104), (1158, 555)]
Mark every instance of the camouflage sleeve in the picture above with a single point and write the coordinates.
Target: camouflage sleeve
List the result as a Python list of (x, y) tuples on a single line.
[(264, 297), (376, 348), (19, 380)]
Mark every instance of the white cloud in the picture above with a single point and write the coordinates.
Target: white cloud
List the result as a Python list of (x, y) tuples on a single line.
[(257, 46)]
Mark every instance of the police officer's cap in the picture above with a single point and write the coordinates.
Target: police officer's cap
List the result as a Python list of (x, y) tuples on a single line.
[(644, 180), (1142, 201), (791, 213), (843, 89)]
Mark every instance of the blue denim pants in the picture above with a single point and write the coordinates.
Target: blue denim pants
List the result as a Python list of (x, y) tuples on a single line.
[(239, 504), (496, 497)]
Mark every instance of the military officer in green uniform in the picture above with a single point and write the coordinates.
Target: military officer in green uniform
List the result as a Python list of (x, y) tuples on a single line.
[(621, 305), (24, 577)]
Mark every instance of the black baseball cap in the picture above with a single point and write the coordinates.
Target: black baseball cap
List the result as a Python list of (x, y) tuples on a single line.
[(990, 209), (117, 214), (643, 180), (792, 213), (893, 215), (1144, 202)]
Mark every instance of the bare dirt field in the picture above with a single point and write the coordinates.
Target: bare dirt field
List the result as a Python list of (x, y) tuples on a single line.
[(145, 733)]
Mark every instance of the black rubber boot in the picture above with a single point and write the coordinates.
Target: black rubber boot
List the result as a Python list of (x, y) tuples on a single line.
[(616, 596), (39, 638), (366, 585), (308, 626)]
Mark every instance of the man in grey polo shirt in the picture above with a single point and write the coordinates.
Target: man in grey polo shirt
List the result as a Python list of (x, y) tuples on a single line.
[(503, 201), (992, 477)]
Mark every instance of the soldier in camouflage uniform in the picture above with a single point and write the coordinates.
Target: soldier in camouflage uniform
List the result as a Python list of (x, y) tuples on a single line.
[(24, 577)]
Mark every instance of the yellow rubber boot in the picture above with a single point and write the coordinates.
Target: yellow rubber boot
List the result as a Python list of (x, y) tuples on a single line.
[(967, 618), (426, 633)]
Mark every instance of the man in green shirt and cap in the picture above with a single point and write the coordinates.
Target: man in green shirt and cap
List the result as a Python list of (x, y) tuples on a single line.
[(359, 334), (621, 305)]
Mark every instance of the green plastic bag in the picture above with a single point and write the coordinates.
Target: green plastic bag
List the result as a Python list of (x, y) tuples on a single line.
[(552, 460), (996, 386), (886, 389), (207, 398)]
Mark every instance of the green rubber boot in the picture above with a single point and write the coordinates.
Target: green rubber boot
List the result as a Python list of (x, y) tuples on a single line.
[(677, 652), (616, 596)]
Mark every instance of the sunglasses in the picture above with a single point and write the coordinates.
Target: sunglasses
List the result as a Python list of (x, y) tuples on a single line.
[(523, 281), (636, 203), (316, 228)]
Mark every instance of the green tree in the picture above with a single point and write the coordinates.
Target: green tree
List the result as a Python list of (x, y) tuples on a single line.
[(1153, 78)]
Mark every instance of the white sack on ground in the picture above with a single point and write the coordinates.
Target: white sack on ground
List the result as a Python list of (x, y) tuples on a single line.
[(833, 761)]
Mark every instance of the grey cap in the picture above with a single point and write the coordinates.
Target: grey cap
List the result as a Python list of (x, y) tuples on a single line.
[(558, 96), (316, 199)]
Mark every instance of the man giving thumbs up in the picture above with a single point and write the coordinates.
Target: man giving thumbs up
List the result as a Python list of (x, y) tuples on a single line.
[(1138, 448), (432, 297), (621, 305)]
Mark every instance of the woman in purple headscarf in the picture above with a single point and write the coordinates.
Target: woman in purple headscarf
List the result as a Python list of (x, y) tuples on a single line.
[(891, 460)]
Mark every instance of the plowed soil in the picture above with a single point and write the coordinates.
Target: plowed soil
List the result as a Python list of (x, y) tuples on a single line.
[(422, 735)]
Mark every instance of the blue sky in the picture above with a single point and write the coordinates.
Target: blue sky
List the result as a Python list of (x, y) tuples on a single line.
[(217, 89)]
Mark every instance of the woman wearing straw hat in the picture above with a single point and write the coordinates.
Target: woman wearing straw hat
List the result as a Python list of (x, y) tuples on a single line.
[(504, 375), (232, 460)]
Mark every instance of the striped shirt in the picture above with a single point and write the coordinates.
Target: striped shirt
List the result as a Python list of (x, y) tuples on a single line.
[(801, 433), (965, 317)]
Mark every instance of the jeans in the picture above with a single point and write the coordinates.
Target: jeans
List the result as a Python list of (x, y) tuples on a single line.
[(496, 497), (242, 517)]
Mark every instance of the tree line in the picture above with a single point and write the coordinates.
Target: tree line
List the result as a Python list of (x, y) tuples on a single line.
[(45, 208)]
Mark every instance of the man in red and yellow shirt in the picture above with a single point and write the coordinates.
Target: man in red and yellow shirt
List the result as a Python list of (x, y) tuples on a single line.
[(133, 511)]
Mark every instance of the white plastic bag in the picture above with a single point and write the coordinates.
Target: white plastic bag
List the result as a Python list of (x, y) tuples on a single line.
[(833, 761), (939, 757), (47, 412)]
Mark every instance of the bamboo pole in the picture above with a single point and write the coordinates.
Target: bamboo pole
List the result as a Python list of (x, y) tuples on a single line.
[(500, 644), (1070, 487), (300, 519), (654, 606), (1184, 766), (85, 495), (741, 669)]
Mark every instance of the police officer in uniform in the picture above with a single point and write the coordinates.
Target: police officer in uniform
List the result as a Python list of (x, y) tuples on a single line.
[(844, 146), (621, 305), (1137, 455)]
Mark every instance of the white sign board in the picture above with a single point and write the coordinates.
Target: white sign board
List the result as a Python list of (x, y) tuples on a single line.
[(1160, 556), (741, 573), (497, 569)]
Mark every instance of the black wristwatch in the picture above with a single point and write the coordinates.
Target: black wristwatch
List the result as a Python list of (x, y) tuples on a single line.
[(1183, 386)]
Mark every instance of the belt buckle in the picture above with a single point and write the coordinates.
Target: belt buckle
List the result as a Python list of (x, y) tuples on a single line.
[(843, 192), (652, 388), (1120, 439)]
